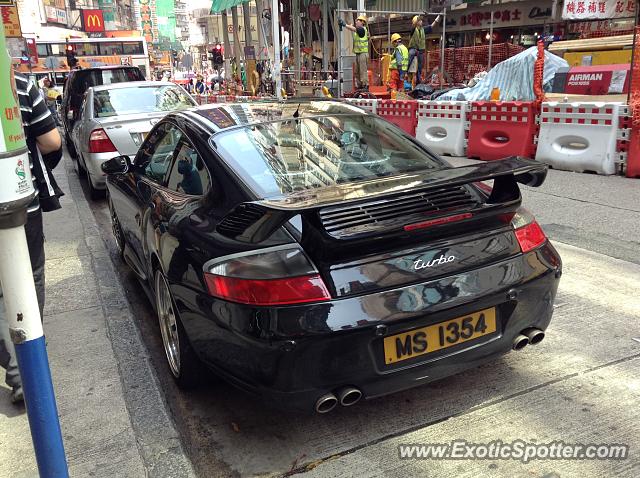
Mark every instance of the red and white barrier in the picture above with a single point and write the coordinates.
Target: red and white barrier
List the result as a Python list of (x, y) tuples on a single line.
[(368, 104), (581, 136), (441, 126), (402, 113), (501, 129)]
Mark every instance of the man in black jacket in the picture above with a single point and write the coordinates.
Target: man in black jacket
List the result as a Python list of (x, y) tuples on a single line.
[(45, 152)]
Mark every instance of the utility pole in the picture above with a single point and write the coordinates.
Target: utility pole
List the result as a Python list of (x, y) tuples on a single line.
[(325, 36), (275, 28), (227, 46), (246, 14), (261, 39), (295, 40), (236, 37)]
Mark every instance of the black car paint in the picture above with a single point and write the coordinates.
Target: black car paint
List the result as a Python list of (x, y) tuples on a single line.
[(292, 355)]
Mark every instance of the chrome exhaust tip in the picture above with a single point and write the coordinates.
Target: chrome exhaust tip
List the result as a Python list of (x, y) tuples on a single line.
[(520, 342), (535, 336), (326, 403), (349, 396)]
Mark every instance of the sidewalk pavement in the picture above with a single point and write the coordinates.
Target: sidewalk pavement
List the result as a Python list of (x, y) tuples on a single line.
[(114, 420)]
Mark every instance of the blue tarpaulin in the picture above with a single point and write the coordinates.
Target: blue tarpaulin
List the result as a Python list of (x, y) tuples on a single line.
[(514, 77)]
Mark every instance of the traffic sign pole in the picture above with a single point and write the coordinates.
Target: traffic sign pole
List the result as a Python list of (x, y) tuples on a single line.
[(20, 299)]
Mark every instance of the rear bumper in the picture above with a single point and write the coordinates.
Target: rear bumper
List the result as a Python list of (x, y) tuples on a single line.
[(291, 356), (94, 161)]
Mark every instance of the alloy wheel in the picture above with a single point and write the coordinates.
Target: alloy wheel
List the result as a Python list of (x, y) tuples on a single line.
[(116, 229), (168, 324)]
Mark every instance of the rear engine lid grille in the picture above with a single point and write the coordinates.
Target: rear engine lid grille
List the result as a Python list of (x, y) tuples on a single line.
[(395, 211), (238, 221)]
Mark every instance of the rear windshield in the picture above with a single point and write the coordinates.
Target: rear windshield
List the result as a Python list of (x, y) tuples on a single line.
[(146, 99), (286, 156)]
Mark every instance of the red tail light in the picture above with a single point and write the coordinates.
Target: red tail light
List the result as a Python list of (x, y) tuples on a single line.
[(528, 232), (281, 275), (292, 290), (99, 142)]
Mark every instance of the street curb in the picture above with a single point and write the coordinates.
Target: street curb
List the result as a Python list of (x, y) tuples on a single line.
[(156, 435)]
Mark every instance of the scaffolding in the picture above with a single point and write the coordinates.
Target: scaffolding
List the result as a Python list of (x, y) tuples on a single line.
[(341, 66)]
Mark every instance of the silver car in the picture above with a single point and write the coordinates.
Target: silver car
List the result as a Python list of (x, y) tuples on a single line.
[(114, 120)]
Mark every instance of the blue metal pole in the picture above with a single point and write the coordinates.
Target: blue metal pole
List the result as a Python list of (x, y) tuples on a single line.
[(41, 408)]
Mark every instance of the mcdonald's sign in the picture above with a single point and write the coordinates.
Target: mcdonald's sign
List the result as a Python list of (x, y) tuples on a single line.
[(92, 21)]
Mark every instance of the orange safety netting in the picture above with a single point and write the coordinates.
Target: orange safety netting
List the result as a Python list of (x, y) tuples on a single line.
[(604, 33), (633, 151), (462, 64), (538, 73), (634, 100)]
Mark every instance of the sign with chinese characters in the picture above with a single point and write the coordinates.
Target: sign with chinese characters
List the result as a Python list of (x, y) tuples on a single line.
[(146, 24), (11, 22), (598, 9), (513, 14), (601, 25)]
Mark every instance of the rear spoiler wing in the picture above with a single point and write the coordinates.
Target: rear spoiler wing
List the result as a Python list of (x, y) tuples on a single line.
[(255, 221)]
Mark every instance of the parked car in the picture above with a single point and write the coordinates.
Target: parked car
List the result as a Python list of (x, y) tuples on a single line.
[(314, 254), (115, 119), (77, 84)]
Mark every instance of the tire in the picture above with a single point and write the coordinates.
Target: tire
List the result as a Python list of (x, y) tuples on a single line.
[(116, 230), (94, 193), (80, 171), (70, 147), (183, 364)]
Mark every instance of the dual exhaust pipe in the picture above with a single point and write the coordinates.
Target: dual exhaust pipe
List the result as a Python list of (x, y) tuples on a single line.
[(527, 337), (346, 397)]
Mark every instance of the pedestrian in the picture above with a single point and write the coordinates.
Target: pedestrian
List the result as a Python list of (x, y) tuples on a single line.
[(45, 152), (399, 63), (360, 48), (200, 87), (50, 95), (418, 42), (190, 86)]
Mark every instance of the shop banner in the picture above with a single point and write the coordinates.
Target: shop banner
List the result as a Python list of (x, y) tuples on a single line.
[(11, 22), (508, 15), (597, 9), (146, 24)]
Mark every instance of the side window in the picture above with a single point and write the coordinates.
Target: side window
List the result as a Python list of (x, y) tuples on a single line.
[(157, 153), (188, 175)]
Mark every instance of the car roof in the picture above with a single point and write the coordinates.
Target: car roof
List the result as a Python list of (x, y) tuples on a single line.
[(130, 84), (103, 67), (218, 117)]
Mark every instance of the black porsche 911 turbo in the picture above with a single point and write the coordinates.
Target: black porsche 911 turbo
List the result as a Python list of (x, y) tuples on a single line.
[(314, 254)]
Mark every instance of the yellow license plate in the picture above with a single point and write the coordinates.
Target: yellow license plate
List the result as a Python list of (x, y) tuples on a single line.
[(439, 336)]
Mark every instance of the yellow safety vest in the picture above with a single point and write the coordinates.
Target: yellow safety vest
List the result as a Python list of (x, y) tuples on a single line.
[(361, 45), (418, 39), (405, 58)]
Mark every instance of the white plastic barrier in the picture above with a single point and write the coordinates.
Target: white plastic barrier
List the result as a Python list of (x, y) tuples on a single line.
[(581, 136), (441, 126), (367, 104)]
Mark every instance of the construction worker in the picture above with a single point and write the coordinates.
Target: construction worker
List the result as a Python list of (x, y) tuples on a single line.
[(418, 41), (360, 48), (399, 63)]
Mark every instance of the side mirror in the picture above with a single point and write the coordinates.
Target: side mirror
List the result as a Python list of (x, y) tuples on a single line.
[(117, 165)]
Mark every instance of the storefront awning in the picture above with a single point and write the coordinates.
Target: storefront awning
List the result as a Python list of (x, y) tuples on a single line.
[(220, 5)]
